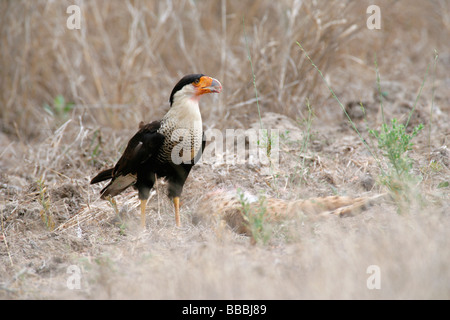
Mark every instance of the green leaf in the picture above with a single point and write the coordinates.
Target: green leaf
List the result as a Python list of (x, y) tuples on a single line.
[(68, 107), (59, 102), (443, 184)]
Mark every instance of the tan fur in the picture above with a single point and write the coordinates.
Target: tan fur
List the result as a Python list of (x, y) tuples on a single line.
[(226, 206)]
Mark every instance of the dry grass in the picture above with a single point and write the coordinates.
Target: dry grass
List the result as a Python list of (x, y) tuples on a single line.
[(126, 52), (119, 69)]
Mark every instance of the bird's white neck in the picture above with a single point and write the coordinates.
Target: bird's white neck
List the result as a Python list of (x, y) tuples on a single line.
[(185, 110)]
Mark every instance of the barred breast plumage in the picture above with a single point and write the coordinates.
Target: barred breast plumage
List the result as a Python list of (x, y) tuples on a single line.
[(182, 128), (182, 141)]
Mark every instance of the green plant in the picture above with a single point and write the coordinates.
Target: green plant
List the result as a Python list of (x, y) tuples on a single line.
[(436, 56), (435, 166), (45, 213), (338, 101), (253, 74), (395, 143), (443, 184), (267, 141), (60, 110), (256, 219), (307, 134), (95, 147)]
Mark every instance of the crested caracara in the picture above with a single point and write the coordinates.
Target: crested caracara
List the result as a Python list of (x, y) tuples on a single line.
[(163, 149)]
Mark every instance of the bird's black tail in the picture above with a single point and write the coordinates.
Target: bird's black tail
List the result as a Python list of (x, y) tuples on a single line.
[(102, 176)]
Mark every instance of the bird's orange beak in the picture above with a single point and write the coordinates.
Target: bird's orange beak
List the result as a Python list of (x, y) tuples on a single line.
[(208, 85)]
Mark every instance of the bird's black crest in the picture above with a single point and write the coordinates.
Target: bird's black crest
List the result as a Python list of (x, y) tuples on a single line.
[(188, 79)]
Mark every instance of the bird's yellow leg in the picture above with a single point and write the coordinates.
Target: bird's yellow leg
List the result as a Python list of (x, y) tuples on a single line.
[(176, 203), (143, 205)]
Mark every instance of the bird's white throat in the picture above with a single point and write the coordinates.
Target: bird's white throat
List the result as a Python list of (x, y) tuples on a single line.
[(185, 110)]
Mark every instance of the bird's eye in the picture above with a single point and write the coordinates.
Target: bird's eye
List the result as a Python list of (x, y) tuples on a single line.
[(197, 81)]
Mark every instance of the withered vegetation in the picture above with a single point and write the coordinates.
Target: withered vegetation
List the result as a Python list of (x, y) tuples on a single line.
[(71, 99)]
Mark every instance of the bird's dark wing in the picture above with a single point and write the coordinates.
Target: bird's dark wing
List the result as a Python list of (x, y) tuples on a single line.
[(141, 147)]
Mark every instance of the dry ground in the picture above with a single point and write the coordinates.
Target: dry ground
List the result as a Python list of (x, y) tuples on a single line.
[(119, 68)]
